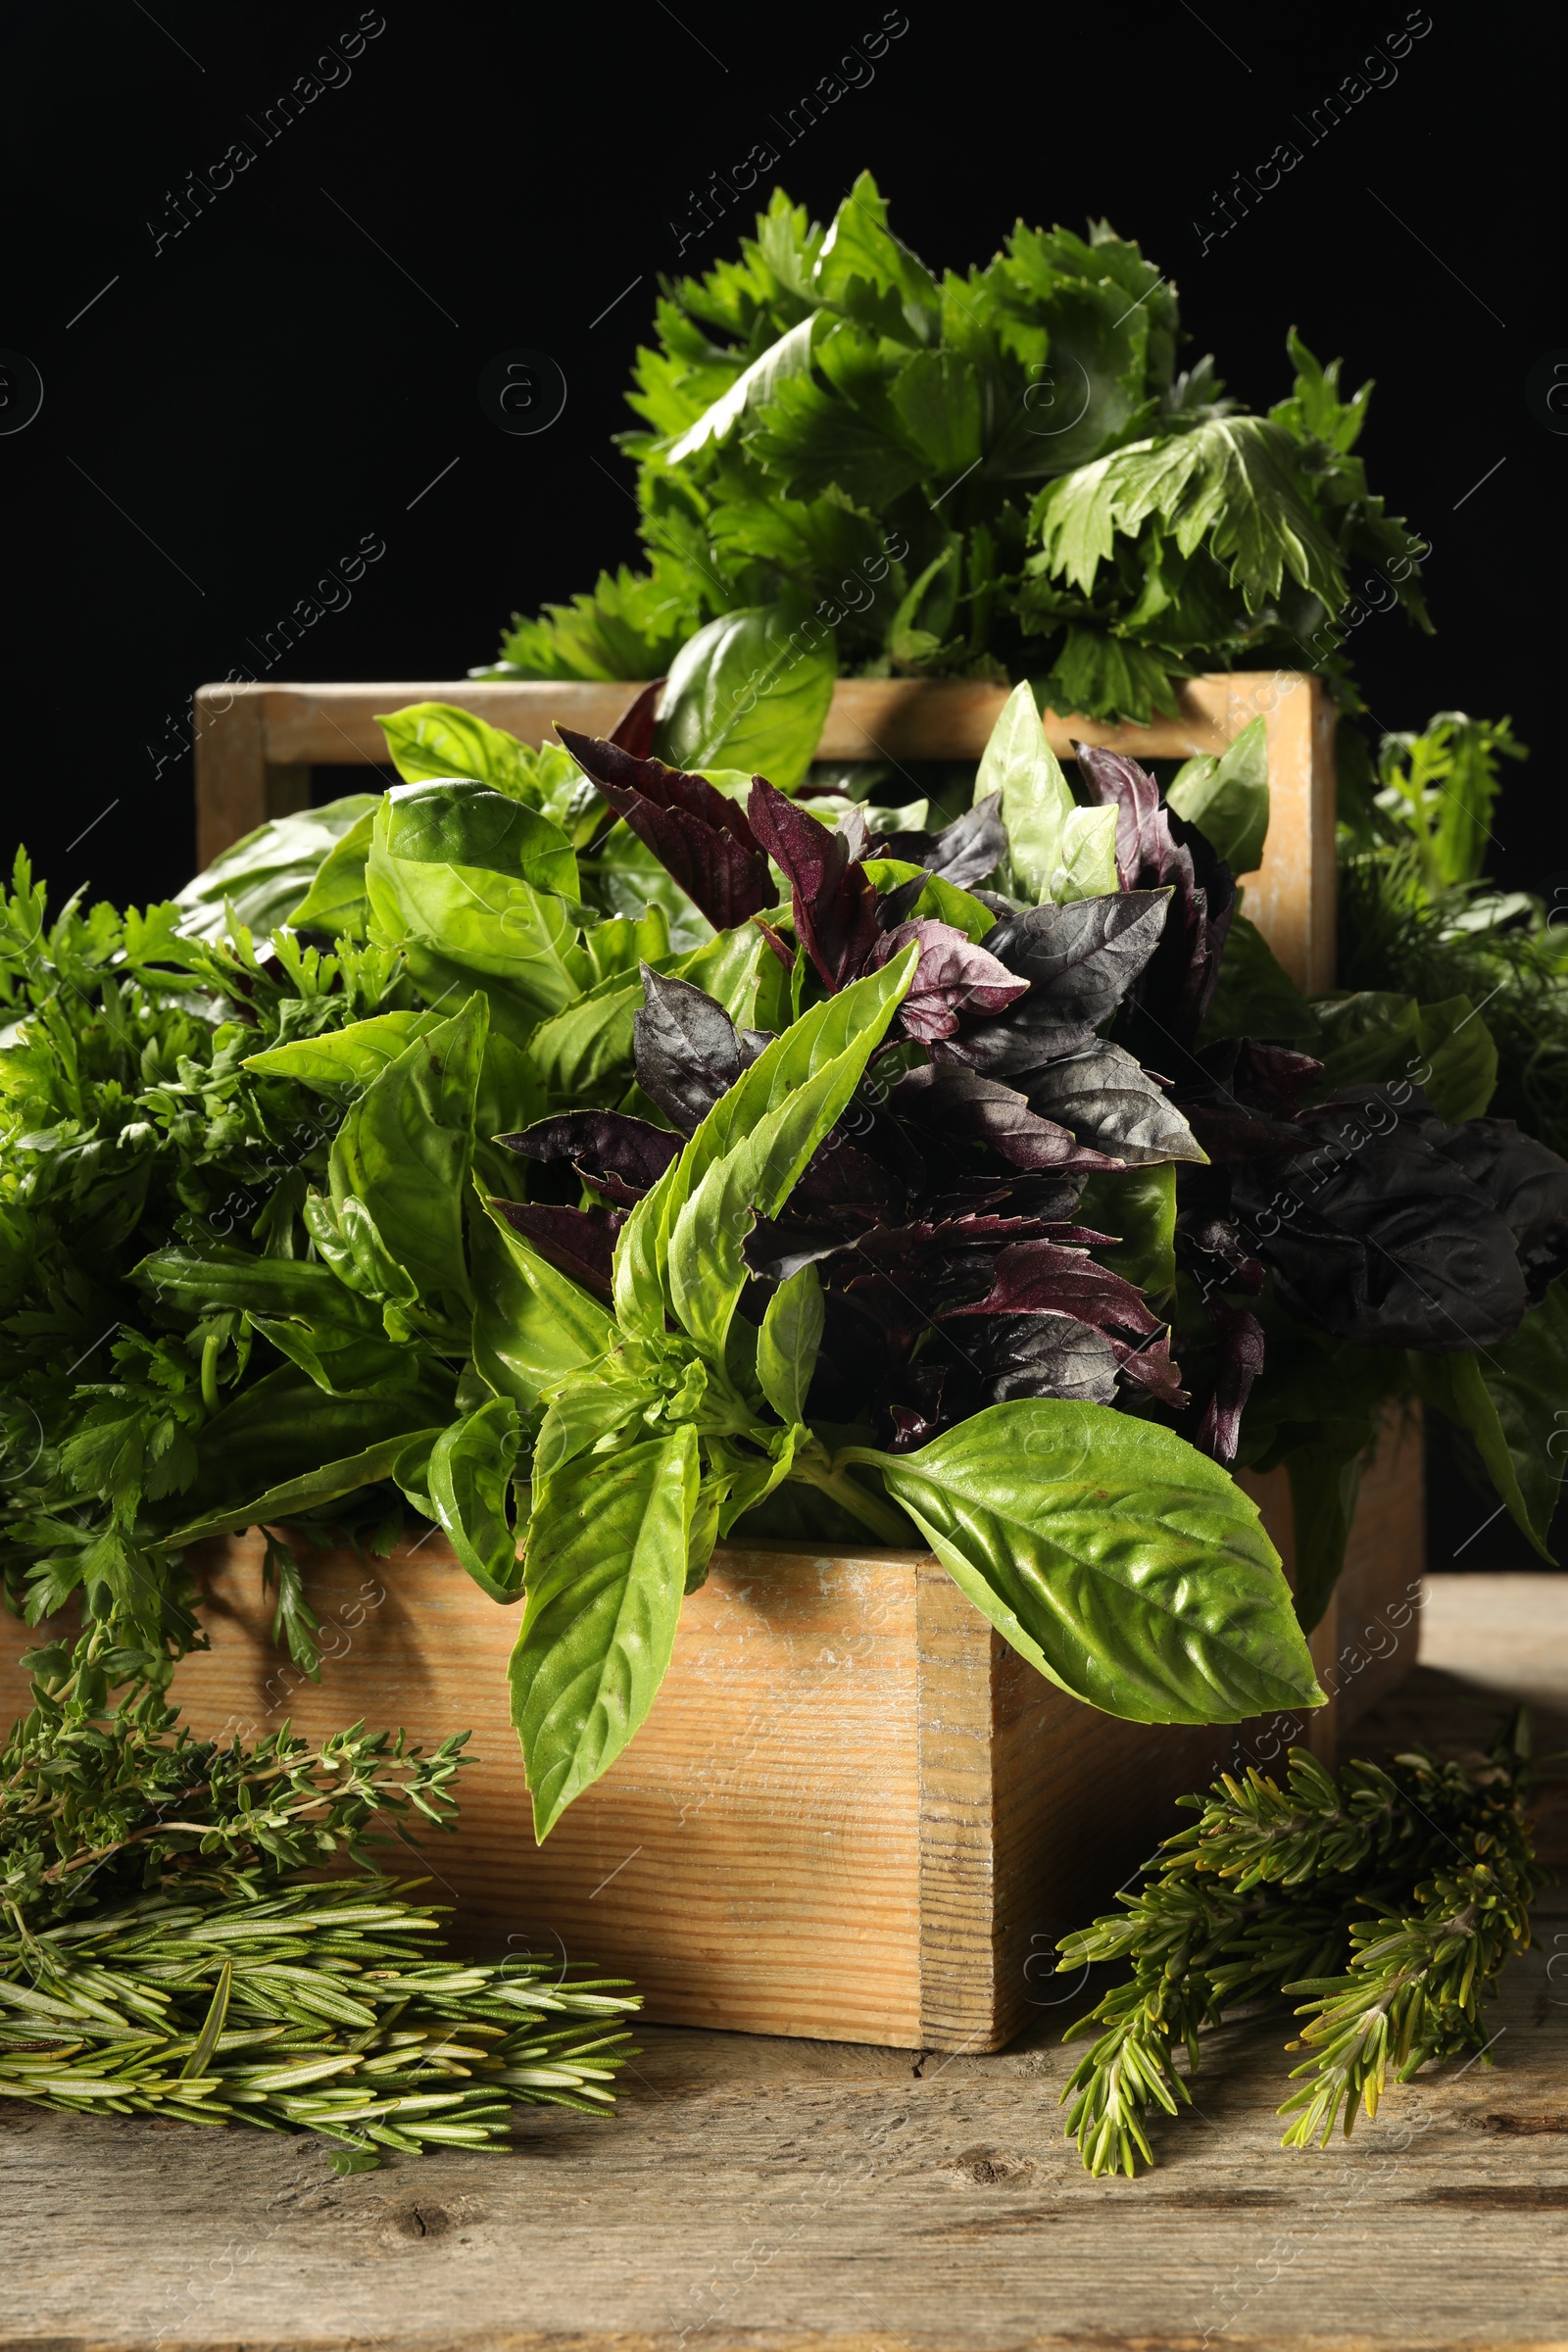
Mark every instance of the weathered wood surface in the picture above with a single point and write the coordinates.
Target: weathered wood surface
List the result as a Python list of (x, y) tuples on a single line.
[(772, 2194), (254, 743)]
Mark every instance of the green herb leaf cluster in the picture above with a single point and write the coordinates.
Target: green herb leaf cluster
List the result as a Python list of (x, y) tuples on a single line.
[(1389, 1894), (1001, 473)]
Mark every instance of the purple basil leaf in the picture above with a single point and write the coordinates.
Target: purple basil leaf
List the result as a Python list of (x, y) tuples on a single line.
[(952, 978), (1376, 1236), (580, 1242), (1112, 1105), (1079, 961), (956, 1103), (634, 732), (1149, 1364), (972, 847), (699, 836), (1121, 784), (1219, 1237), (1525, 1183), (1047, 1356), (686, 1049), (1039, 1278), (1247, 1102), (834, 902), (1240, 1361), (616, 1155)]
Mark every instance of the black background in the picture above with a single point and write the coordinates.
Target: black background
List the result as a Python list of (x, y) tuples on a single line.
[(227, 420)]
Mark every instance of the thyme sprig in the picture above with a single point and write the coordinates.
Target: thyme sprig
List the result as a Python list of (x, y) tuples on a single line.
[(158, 1953), (1391, 1895)]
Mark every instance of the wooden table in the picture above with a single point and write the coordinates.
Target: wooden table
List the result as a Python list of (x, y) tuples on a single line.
[(773, 2194)]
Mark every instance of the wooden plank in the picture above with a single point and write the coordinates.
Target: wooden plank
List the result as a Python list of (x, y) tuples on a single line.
[(230, 755), (760, 2195), (761, 1833)]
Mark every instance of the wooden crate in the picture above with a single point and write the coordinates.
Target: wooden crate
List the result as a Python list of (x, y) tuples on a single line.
[(854, 1814), (256, 746)]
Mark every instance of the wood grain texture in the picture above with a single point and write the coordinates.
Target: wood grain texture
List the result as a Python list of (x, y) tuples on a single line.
[(764, 2195)]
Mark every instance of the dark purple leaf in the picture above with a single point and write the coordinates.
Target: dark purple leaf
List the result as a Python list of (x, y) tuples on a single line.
[(1047, 1356), (952, 978), (1240, 1361), (1149, 1364), (1111, 1104), (686, 1048), (1153, 845), (579, 1242), (701, 837), (957, 1104), (1079, 961), (1242, 1099), (1039, 1278), (1372, 1235), (972, 847), (617, 1156), (1217, 1237), (1121, 784), (1525, 1183), (634, 732), (834, 902)]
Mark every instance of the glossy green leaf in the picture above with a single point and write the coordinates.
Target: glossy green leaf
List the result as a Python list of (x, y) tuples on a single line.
[(1139, 1206), (281, 1446), (349, 1241), (426, 741), (471, 1471), (336, 902), (1377, 1036), (942, 901), (532, 1325), (740, 970), (201, 1278), (405, 1150), (470, 885), (1513, 1401), (606, 1566), (1325, 1480), (1114, 1557), (750, 691), (788, 1346), (340, 1059), (864, 270), (581, 1059), (1227, 797), (261, 877), (1056, 849), (817, 1060)]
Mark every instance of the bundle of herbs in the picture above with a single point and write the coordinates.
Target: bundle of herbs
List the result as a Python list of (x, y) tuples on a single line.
[(1000, 475), (1391, 1895), (951, 1194), (165, 1950)]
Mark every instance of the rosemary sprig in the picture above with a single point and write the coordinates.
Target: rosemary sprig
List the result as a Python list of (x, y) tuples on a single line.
[(1392, 1896), (158, 1953)]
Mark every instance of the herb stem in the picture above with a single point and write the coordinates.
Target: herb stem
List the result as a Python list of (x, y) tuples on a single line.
[(833, 1478)]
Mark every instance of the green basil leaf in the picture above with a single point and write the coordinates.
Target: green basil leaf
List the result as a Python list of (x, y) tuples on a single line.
[(259, 878), (750, 691), (1056, 849), (469, 1479), (607, 1558), (1377, 1035), (425, 741), (533, 1327), (343, 1363), (262, 1457), (343, 1058), (348, 1242), (481, 891), (944, 902), (582, 1058), (584, 1413), (624, 942), (336, 902), (739, 970), (1139, 1206), (1512, 1401), (1325, 1480), (1114, 1557), (1256, 996), (1227, 798), (405, 1148), (791, 1335), (748, 1153), (198, 1278)]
